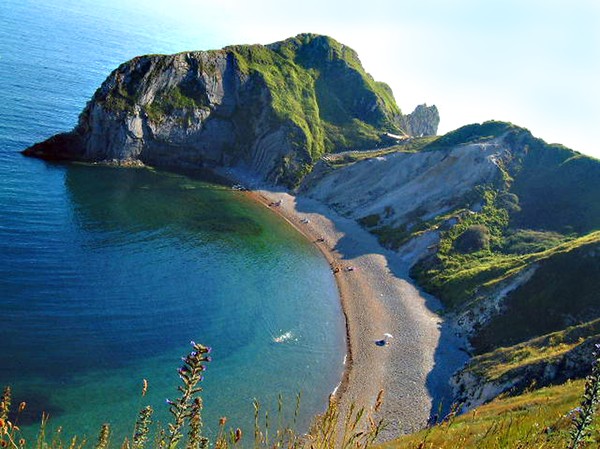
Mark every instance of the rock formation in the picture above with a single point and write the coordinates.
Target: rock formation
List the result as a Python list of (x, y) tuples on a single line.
[(274, 108), (423, 121)]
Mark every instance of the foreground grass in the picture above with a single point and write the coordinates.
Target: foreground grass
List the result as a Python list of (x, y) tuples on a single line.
[(539, 419), (548, 418)]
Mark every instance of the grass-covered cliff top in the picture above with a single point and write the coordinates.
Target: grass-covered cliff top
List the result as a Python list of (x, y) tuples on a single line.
[(321, 86), (315, 83)]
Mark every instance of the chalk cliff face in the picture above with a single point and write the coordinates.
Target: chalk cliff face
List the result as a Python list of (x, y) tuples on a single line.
[(274, 108), (401, 188)]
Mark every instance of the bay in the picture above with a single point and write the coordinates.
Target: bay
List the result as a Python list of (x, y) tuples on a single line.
[(107, 273)]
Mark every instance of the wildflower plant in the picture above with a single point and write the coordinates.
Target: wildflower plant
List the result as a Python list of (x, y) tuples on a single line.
[(5, 403), (357, 427), (9, 430), (584, 414), (186, 408), (336, 428), (142, 427), (104, 437)]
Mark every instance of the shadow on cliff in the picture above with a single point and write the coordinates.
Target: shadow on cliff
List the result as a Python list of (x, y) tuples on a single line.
[(450, 353)]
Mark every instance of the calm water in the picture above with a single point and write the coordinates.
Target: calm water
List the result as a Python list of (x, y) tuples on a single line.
[(106, 274)]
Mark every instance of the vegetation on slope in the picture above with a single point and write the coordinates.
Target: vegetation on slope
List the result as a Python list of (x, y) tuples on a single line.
[(541, 215), (540, 418), (558, 190), (471, 134), (320, 85), (518, 257), (566, 351)]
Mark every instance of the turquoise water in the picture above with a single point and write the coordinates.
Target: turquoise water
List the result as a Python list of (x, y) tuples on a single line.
[(106, 274)]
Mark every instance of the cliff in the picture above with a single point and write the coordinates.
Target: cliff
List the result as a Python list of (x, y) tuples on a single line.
[(499, 225), (275, 109)]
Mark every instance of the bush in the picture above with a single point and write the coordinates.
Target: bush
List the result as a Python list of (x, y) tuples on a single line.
[(474, 238)]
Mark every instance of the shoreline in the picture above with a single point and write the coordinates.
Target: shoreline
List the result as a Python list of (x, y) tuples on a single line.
[(312, 238), (377, 297), (360, 326)]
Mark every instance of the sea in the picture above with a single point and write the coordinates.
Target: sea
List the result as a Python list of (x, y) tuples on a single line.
[(107, 274)]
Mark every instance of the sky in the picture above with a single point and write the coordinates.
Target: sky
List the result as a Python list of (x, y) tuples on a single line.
[(531, 62)]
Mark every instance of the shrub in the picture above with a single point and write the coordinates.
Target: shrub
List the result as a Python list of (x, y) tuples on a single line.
[(526, 241), (474, 238)]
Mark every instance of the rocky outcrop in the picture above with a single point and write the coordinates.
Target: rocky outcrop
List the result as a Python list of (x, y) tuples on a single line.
[(184, 110), (423, 121), (275, 109), (470, 320)]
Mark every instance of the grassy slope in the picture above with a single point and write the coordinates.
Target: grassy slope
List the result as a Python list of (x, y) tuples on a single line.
[(320, 85), (558, 190), (536, 419), (563, 291), (524, 226), (464, 279), (553, 348), (544, 211)]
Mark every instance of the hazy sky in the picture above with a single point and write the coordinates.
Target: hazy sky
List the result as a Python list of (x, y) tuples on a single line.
[(535, 63)]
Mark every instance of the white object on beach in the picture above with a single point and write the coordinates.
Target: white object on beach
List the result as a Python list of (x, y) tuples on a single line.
[(384, 340)]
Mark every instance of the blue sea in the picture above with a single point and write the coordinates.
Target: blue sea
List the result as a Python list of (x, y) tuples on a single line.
[(106, 274)]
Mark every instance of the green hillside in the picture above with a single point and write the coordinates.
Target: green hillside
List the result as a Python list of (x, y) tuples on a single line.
[(537, 419), (321, 86), (542, 215)]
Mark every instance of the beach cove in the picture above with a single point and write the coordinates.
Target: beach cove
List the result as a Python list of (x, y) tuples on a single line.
[(378, 297), (107, 273), (55, 84)]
